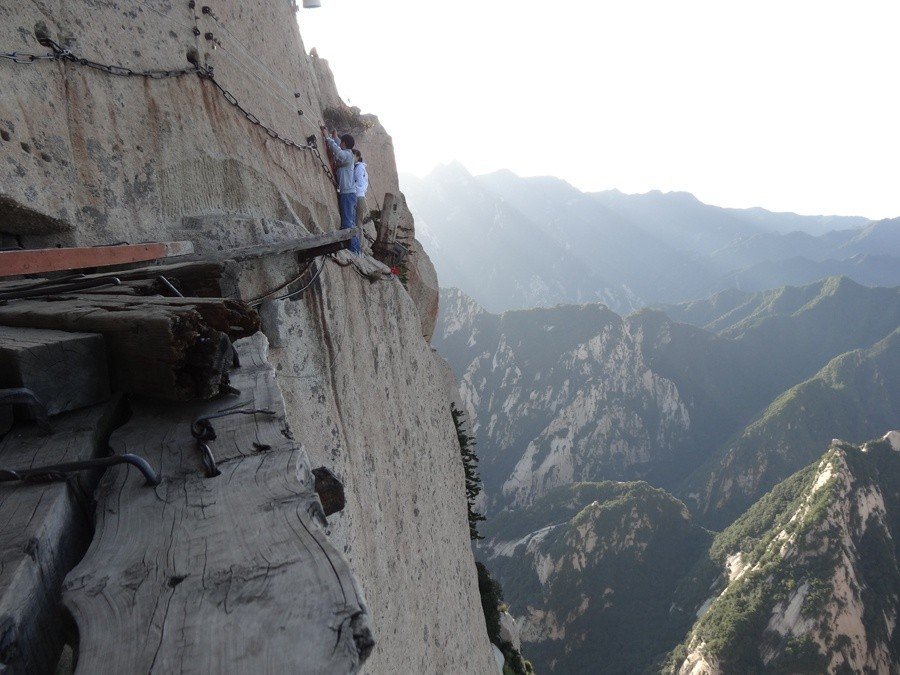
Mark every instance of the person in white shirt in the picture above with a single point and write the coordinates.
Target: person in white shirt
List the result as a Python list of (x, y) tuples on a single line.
[(361, 181)]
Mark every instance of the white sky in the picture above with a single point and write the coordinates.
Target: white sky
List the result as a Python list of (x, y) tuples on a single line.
[(793, 105)]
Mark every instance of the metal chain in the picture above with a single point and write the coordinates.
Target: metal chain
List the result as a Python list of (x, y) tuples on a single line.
[(203, 72), (253, 119), (60, 54), (21, 57)]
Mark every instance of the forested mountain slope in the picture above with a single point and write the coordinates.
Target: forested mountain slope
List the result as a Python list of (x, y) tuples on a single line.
[(576, 393), (592, 568), (807, 580)]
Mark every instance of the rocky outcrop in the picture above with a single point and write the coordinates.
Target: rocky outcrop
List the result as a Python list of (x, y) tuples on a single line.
[(421, 279), (808, 579), (91, 158)]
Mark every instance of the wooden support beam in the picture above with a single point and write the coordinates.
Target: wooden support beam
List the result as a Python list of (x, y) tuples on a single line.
[(200, 279), (173, 348), (225, 574), (38, 261), (46, 530), (306, 247), (65, 370)]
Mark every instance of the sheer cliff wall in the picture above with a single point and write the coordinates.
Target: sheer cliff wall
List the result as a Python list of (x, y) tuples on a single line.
[(87, 157)]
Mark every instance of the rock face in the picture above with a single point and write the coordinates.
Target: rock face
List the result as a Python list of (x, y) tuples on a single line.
[(808, 579), (560, 395), (366, 398), (421, 280), (91, 158)]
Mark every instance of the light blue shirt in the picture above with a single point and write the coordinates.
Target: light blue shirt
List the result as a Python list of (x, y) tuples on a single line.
[(344, 160)]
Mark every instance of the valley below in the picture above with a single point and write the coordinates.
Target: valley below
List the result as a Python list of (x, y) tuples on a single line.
[(706, 486)]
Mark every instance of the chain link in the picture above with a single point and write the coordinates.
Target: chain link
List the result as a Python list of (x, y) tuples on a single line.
[(60, 54), (21, 57), (203, 72)]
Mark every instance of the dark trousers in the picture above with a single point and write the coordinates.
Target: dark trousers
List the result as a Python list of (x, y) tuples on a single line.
[(347, 203)]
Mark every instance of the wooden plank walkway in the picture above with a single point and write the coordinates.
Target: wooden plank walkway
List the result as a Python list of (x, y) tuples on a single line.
[(66, 371), (224, 574), (174, 348), (199, 279), (46, 529)]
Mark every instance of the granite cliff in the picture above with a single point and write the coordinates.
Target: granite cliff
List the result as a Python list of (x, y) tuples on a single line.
[(91, 157)]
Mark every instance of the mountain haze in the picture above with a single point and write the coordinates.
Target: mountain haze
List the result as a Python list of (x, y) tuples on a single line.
[(517, 243)]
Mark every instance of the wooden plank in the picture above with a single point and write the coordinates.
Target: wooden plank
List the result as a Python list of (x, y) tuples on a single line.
[(172, 348), (211, 575), (46, 530), (38, 261), (201, 279), (306, 247), (66, 371)]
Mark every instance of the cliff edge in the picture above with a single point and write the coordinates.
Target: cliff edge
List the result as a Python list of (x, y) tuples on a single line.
[(218, 157)]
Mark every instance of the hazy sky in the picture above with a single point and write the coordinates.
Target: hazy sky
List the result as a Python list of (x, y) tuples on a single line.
[(791, 105)]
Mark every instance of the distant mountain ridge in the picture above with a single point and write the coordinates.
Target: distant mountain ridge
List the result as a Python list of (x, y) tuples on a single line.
[(517, 243)]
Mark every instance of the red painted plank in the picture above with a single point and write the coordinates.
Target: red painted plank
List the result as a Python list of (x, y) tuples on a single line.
[(35, 261)]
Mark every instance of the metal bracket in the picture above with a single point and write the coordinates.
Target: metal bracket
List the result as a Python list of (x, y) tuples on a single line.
[(202, 430), (55, 472), (25, 397)]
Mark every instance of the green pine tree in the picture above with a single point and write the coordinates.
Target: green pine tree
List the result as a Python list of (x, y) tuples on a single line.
[(470, 465)]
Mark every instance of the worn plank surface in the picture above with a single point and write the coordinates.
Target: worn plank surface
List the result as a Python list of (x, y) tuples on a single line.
[(37, 261), (306, 247), (224, 574), (66, 370), (200, 279), (46, 529), (172, 348)]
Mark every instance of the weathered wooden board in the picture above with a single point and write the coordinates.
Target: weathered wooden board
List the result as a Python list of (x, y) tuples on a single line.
[(46, 529), (201, 279), (37, 261), (306, 247), (214, 575), (172, 348), (66, 371)]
